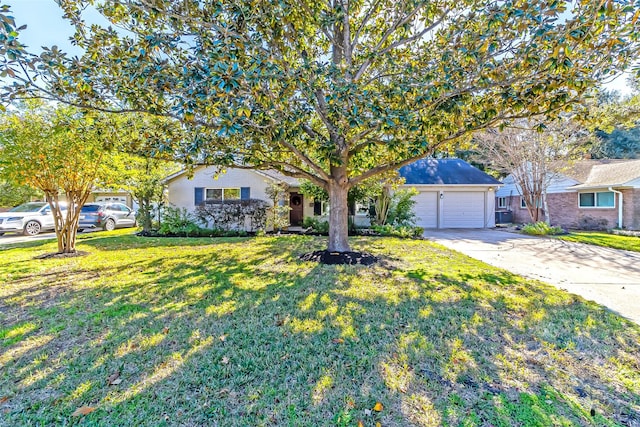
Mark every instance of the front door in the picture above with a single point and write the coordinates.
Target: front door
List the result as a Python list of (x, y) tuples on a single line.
[(296, 203)]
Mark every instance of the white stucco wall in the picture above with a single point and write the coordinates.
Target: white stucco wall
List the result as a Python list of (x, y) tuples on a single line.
[(181, 188)]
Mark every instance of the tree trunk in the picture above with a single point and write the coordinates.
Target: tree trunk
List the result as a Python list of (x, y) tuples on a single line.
[(145, 212), (66, 227), (338, 217)]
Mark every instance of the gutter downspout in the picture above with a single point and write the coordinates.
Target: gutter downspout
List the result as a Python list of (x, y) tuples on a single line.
[(619, 206)]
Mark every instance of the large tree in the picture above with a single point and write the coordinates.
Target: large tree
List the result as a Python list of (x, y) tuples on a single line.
[(335, 91)]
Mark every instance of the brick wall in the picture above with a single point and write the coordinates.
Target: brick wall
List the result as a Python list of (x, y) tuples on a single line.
[(564, 211), (631, 209)]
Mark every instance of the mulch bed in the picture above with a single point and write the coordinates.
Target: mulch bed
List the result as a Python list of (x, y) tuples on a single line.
[(62, 255), (351, 258)]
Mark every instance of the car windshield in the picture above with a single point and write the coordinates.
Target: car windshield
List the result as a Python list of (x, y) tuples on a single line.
[(90, 208), (28, 207)]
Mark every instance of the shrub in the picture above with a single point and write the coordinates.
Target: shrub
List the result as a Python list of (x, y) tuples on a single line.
[(316, 225), (542, 229), (398, 231), (401, 208), (178, 221)]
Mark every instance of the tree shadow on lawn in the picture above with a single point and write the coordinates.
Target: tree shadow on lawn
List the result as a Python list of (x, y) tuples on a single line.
[(242, 333)]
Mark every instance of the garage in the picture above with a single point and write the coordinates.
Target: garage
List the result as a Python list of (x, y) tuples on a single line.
[(451, 194), (463, 209), (426, 209)]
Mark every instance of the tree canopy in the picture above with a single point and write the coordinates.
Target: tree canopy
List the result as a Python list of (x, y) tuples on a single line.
[(140, 176), (533, 156), (335, 91), (57, 151)]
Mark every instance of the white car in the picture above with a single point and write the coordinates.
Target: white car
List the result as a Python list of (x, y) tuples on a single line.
[(29, 219)]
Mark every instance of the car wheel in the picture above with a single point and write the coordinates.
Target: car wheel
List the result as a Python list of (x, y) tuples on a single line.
[(32, 228), (1, 234), (110, 225), (80, 230)]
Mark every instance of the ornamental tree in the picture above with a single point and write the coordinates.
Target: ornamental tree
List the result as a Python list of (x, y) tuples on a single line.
[(59, 152), (141, 177), (534, 154), (334, 91)]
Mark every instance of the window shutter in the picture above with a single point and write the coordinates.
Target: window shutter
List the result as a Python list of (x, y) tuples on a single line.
[(198, 195), (317, 208), (245, 193)]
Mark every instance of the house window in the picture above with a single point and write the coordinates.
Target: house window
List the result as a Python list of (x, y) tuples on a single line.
[(502, 202), (523, 205), (604, 199), (222, 194)]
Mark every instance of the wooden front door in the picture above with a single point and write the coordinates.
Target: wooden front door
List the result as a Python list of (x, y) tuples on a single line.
[(296, 203)]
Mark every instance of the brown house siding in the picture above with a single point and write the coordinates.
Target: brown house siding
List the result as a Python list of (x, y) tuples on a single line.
[(565, 212)]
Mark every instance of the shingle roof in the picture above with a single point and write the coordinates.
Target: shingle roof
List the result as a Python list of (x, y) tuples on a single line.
[(277, 176), (611, 173), (445, 172)]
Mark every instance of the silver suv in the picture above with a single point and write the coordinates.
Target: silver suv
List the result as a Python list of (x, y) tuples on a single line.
[(107, 216), (29, 219)]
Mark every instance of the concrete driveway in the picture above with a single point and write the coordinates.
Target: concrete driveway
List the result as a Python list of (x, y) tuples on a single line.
[(11, 238), (609, 277)]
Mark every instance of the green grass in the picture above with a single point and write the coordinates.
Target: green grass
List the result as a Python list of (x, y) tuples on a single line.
[(629, 243), (239, 332)]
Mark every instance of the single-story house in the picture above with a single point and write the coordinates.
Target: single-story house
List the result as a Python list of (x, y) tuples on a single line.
[(452, 193), (587, 194)]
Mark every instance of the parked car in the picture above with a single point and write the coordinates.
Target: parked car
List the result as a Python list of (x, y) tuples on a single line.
[(107, 216), (28, 218)]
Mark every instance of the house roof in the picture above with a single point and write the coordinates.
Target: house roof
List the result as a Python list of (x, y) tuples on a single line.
[(445, 172), (277, 176), (422, 172), (270, 174), (606, 173)]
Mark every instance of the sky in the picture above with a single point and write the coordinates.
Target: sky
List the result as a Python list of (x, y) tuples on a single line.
[(46, 27)]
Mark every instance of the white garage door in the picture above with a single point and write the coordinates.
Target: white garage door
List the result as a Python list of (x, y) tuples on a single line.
[(121, 199), (463, 209), (426, 209)]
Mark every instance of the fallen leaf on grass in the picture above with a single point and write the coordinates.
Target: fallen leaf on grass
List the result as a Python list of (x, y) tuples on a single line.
[(222, 337), (83, 410), (378, 407), (165, 330), (337, 341), (225, 360), (360, 423), (114, 379), (3, 399)]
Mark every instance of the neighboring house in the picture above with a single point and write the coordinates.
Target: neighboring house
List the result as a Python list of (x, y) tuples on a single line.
[(588, 194), (453, 194), (112, 196)]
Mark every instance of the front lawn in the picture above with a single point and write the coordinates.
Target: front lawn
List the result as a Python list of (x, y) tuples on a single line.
[(239, 332), (629, 243)]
